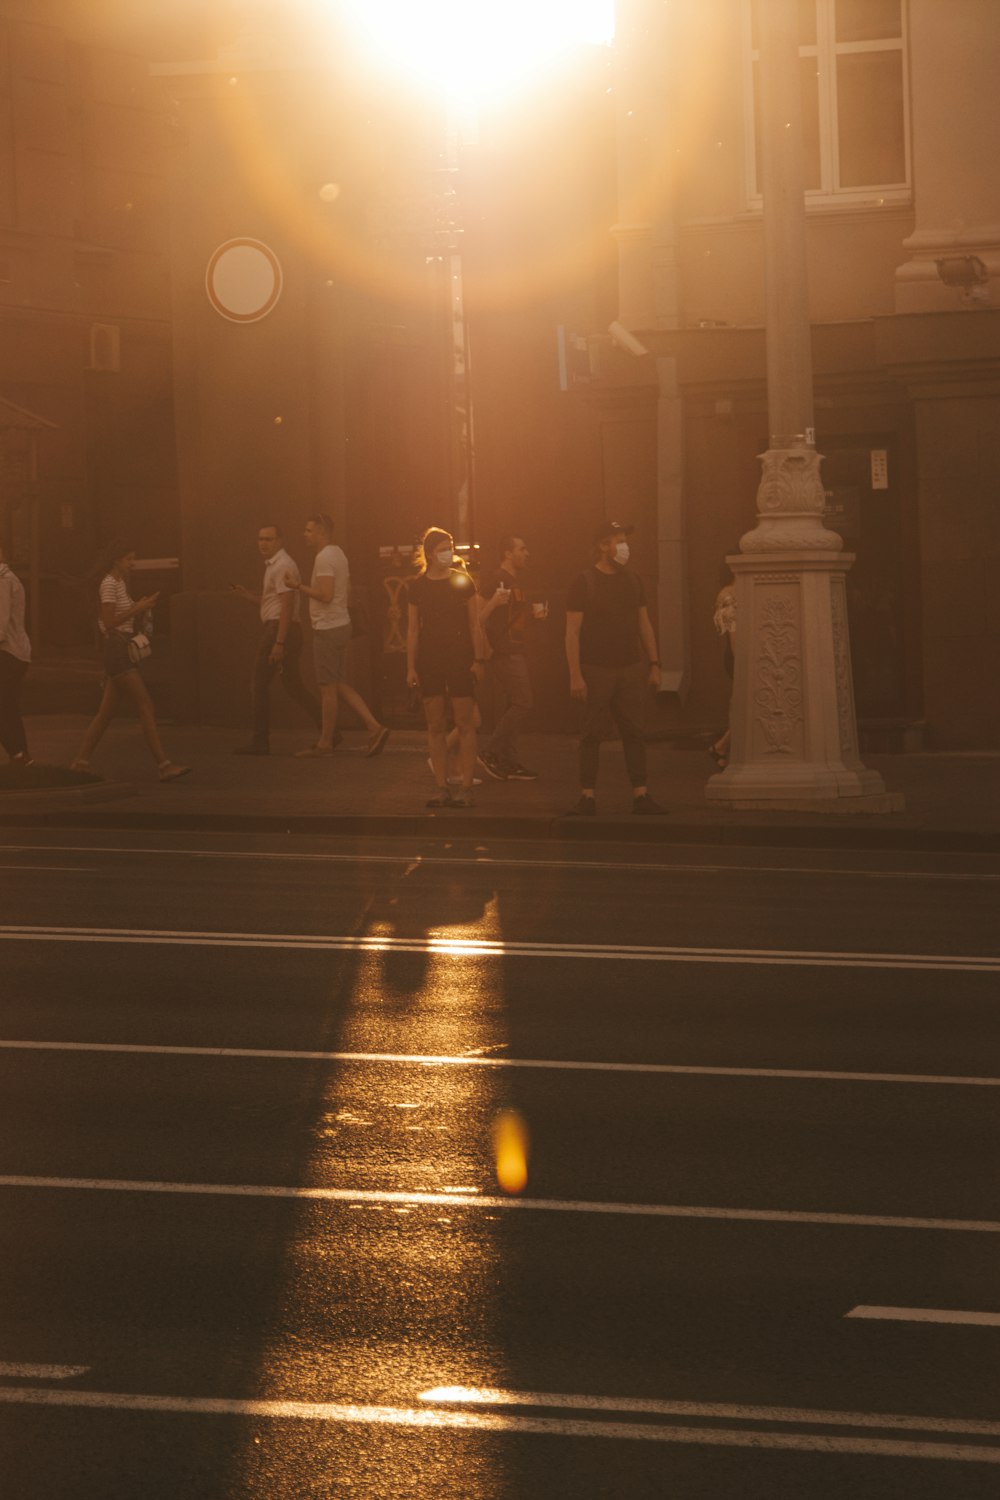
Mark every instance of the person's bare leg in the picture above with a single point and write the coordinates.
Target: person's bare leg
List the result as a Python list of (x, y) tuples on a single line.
[(328, 713), (465, 712), (437, 740), (138, 692), (454, 736), (354, 699), (99, 723)]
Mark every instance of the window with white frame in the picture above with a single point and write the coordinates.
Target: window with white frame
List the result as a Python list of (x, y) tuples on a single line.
[(854, 100)]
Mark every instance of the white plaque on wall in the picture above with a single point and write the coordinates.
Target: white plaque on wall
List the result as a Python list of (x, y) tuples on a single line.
[(243, 280), (880, 469)]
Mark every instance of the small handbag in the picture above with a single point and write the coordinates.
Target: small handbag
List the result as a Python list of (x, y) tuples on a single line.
[(138, 647)]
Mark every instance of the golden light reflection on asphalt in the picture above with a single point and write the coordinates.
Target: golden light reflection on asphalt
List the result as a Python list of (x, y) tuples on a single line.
[(428, 1130), (510, 1148)]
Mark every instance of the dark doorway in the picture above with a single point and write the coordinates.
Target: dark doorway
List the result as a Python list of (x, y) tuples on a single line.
[(864, 504)]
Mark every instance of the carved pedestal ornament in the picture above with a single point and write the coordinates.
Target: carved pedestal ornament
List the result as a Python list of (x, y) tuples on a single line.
[(778, 674), (790, 504)]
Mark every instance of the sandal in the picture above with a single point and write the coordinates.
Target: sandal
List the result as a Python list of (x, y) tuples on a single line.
[(83, 765), (169, 772), (719, 756), (441, 798), (376, 742)]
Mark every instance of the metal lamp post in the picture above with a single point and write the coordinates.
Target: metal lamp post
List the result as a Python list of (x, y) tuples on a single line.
[(794, 742)]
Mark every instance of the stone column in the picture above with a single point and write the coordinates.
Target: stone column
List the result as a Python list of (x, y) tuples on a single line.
[(794, 741), (954, 55)]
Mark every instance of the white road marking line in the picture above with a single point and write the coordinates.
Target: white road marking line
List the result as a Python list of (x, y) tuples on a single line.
[(466, 1199), (496, 948), (42, 1372), (488, 861), (45, 869), (436, 1060), (488, 1421), (488, 1396), (925, 1315)]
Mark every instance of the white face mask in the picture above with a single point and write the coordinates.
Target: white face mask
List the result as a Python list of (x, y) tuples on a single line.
[(622, 553), (444, 558)]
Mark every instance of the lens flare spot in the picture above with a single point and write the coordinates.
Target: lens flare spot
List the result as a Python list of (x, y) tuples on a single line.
[(330, 192), (510, 1147)]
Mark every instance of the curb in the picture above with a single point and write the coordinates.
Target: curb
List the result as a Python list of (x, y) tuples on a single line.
[(547, 828), (52, 799)]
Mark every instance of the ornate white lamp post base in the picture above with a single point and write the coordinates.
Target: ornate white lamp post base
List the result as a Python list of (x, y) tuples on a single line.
[(794, 741)]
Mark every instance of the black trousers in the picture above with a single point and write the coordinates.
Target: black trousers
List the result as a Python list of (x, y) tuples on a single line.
[(291, 679), (12, 674), (614, 695), (511, 675)]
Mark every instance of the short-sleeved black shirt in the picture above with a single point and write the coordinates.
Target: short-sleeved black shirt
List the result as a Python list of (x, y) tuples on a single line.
[(507, 626), (444, 612), (610, 604)]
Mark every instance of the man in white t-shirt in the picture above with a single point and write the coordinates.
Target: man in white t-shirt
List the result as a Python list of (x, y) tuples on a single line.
[(280, 645), (327, 593)]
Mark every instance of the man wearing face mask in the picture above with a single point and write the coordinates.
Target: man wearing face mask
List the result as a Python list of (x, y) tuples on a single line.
[(613, 661)]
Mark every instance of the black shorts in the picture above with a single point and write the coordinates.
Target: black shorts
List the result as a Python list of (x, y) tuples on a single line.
[(446, 675), (115, 652)]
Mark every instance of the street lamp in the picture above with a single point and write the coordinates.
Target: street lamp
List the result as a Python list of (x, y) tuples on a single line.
[(794, 742)]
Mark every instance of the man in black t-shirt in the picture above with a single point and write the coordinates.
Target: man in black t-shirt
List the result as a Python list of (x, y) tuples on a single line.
[(607, 623), (505, 614)]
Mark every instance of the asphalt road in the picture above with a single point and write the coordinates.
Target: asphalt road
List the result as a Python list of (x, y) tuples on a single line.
[(252, 1241)]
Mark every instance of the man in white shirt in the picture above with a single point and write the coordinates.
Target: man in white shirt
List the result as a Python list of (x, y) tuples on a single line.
[(327, 593), (280, 647)]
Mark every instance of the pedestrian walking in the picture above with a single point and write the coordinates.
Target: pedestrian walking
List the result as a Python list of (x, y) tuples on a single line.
[(607, 622), (279, 648), (328, 591), (444, 660), (724, 620), (124, 644), (506, 617), (15, 658)]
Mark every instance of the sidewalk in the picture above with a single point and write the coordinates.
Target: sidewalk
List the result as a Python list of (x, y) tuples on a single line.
[(952, 801)]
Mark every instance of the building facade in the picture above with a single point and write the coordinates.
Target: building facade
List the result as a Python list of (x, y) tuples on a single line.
[(903, 207), (85, 331), (558, 319)]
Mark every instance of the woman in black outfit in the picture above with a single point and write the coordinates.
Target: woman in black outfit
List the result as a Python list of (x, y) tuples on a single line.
[(444, 659)]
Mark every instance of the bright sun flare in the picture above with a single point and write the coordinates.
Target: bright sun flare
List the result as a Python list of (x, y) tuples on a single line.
[(475, 49)]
